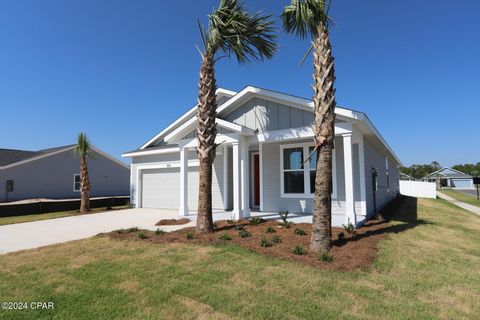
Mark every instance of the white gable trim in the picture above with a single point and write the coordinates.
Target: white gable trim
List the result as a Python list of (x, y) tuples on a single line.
[(300, 103), (177, 134), (36, 158), (190, 113), (445, 168), (150, 152), (100, 152)]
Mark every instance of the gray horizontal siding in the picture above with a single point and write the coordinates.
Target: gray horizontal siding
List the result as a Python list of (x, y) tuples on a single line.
[(52, 177), (374, 158)]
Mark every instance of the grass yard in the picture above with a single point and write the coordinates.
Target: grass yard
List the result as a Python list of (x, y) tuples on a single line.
[(461, 196), (426, 269), (51, 215)]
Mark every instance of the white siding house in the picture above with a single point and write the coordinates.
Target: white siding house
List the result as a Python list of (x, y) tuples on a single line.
[(265, 136)]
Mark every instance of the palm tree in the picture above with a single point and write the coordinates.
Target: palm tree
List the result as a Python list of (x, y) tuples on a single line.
[(83, 149), (309, 18), (231, 31)]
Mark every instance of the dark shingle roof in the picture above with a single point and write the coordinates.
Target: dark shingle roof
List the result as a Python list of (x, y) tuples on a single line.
[(10, 156)]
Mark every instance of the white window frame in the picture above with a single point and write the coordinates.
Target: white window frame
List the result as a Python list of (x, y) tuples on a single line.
[(306, 172), (74, 176)]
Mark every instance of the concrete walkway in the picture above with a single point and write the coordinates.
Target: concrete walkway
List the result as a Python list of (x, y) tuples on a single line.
[(460, 204), (29, 235)]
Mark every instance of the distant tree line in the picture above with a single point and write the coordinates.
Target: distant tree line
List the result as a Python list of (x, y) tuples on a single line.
[(419, 171), (469, 168)]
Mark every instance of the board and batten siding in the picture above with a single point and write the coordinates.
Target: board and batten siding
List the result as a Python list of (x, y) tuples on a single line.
[(374, 158), (174, 189), (273, 202), (264, 115)]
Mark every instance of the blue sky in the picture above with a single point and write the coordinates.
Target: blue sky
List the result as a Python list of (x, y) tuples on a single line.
[(122, 70)]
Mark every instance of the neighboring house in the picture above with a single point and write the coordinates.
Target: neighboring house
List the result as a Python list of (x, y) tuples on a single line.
[(55, 174), (264, 136), (406, 177), (450, 178)]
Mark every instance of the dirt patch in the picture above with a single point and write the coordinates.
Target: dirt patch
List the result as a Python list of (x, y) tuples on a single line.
[(354, 251), (172, 222)]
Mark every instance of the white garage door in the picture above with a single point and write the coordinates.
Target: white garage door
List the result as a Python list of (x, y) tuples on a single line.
[(161, 188)]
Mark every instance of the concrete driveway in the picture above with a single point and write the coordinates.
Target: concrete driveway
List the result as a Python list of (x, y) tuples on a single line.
[(36, 234)]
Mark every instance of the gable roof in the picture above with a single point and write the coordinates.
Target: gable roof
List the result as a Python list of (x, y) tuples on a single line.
[(11, 157), (449, 173), (237, 98)]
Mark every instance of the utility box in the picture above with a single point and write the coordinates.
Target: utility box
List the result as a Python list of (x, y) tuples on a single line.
[(9, 186)]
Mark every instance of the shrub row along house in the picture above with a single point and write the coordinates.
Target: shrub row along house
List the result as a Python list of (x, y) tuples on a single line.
[(55, 174), (265, 138)]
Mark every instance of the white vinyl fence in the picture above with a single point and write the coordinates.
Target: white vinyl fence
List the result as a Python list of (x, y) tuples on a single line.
[(418, 189)]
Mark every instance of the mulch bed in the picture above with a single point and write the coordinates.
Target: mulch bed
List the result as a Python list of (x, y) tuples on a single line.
[(355, 251), (172, 222)]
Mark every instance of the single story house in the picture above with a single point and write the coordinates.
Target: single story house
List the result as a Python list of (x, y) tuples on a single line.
[(264, 137), (450, 178), (55, 174)]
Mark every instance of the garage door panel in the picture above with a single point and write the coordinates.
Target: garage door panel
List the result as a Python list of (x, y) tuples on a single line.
[(161, 188)]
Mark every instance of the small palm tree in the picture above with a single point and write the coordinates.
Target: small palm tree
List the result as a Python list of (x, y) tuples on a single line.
[(231, 31), (310, 18), (83, 149)]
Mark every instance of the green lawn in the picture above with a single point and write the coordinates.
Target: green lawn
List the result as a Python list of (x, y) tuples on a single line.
[(460, 196), (45, 216), (427, 269)]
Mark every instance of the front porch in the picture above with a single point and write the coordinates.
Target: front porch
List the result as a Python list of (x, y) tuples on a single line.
[(247, 188)]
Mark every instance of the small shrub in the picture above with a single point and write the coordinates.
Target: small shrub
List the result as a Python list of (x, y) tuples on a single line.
[(159, 232), (142, 235), (276, 239), (133, 229), (287, 224), (120, 231), (239, 227), (230, 221), (298, 250), (225, 237), (300, 232), (284, 216), (189, 235), (349, 227), (341, 236), (255, 221), (265, 243), (326, 257), (244, 234), (270, 229)]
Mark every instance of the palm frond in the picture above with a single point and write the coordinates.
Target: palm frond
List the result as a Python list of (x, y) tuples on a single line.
[(235, 31), (304, 17), (83, 146)]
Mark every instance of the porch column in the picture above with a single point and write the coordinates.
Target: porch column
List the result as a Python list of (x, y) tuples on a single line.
[(236, 180), (244, 177), (260, 155), (225, 177), (183, 210), (348, 166), (361, 163)]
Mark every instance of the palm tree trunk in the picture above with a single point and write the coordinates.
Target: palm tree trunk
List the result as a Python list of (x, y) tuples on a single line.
[(206, 134), (324, 104), (84, 186)]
